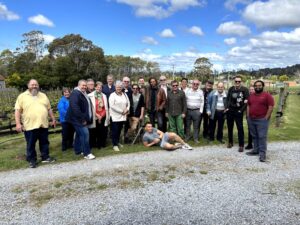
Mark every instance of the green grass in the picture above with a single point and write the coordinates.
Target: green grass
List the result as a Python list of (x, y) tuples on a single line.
[(12, 148)]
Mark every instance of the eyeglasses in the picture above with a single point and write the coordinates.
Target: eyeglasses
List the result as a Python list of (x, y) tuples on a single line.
[(175, 85), (237, 81), (195, 83), (126, 81), (134, 88)]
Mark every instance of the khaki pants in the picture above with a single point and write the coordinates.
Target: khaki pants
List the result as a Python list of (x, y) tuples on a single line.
[(133, 121)]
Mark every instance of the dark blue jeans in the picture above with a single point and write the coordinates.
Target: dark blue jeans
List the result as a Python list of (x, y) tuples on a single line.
[(116, 128), (31, 136), (259, 130), (81, 143), (220, 118)]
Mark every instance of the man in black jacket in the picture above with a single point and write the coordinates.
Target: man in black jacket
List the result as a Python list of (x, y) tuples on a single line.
[(237, 103), (79, 114)]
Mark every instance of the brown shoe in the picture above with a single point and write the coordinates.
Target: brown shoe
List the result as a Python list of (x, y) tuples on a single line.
[(229, 145), (241, 149)]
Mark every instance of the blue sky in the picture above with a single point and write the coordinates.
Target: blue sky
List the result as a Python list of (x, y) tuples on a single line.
[(233, 34)]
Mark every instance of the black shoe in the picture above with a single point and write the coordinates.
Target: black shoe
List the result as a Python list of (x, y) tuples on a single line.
[(229, 145), (248, 147), (241, 149), (262, 159), (49, 160), (221, 141), (32, 164), (252, 153)]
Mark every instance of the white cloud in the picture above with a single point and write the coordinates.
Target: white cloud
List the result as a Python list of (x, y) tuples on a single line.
[(183, 61), (41, 20), (48, 38), (196, 31), (233, 28), (274, 13), (5, 14), (149, 40), (167, 33), (269, 49), (230, 41), (160, 8), (231, 4)]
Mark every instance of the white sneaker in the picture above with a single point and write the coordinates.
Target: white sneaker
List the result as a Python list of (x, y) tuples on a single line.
[(116, 149), (89, 156), (187, 146), (120, 145)]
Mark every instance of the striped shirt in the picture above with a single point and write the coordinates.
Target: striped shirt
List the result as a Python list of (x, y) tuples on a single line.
[(195, 99)]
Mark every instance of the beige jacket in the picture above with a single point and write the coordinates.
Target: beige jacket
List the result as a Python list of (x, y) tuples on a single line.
[(92, 97)]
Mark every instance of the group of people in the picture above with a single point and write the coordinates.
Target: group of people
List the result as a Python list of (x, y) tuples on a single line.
[(93, 110)]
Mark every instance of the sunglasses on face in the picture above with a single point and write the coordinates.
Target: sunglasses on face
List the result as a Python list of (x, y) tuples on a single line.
[(175, 85), (195, 83), (237, 81)]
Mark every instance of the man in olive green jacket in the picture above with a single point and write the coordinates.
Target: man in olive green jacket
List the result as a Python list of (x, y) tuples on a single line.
[(176, 109)]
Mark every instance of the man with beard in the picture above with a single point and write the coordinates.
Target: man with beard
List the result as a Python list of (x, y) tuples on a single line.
[(260, 107), (33, 107)]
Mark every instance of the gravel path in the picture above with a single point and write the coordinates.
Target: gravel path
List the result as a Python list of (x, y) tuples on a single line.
[(209, 185)]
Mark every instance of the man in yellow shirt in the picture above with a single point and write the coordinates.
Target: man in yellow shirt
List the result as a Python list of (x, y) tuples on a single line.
[(32, 108)]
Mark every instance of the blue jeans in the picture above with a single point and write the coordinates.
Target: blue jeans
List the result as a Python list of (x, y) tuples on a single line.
[(259, 130), (31, 137), (81, 143)]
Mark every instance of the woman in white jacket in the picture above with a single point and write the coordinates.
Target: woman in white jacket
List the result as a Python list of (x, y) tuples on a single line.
[(119, 106), (98, 129)]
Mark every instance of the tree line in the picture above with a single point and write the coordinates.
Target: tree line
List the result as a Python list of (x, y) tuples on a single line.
[(64, 61)]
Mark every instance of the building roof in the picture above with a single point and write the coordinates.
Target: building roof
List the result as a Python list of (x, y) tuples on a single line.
[(2, 78)]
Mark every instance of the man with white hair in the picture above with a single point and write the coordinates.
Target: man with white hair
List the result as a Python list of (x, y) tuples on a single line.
[(33, 107), (109, 87), (80, 115)]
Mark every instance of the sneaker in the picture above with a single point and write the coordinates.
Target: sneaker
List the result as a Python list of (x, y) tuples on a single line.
[(187, 146), (49, 160), (116, 149), (32, 164), (120, 145), (252, 153), (90, 156), (229, 145)]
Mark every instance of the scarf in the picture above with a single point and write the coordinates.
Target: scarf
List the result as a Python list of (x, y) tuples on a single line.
[(98, 96)]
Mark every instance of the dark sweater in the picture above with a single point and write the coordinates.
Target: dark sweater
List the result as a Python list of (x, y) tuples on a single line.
[(176, 103), (236, 98), (78, 111)]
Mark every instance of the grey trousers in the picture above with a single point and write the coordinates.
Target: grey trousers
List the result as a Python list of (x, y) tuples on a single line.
[(259, 131), (193, 116)]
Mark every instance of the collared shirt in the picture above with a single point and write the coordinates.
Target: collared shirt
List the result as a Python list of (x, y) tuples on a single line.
[(195, 99), (34, 110), (220, 100)]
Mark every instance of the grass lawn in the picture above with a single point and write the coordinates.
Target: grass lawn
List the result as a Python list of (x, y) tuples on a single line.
[(12, 148)]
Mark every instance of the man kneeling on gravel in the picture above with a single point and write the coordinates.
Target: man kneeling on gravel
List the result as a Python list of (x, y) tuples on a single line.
[(154, 136)]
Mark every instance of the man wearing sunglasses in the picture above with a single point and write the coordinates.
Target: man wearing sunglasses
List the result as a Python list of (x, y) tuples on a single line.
[(176, 109), (237, 103)]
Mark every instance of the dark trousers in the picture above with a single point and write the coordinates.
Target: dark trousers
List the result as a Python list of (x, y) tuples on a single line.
[(259, 131), (250, 139), (98, 135), (219, 118), (193, 116), (237, 117), (206, 121), (116, 128), (82, 142), (31, 136), (162, 120), (67, 134)]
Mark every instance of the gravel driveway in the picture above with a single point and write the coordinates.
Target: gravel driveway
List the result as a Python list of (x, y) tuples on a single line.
[(209, 185)]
